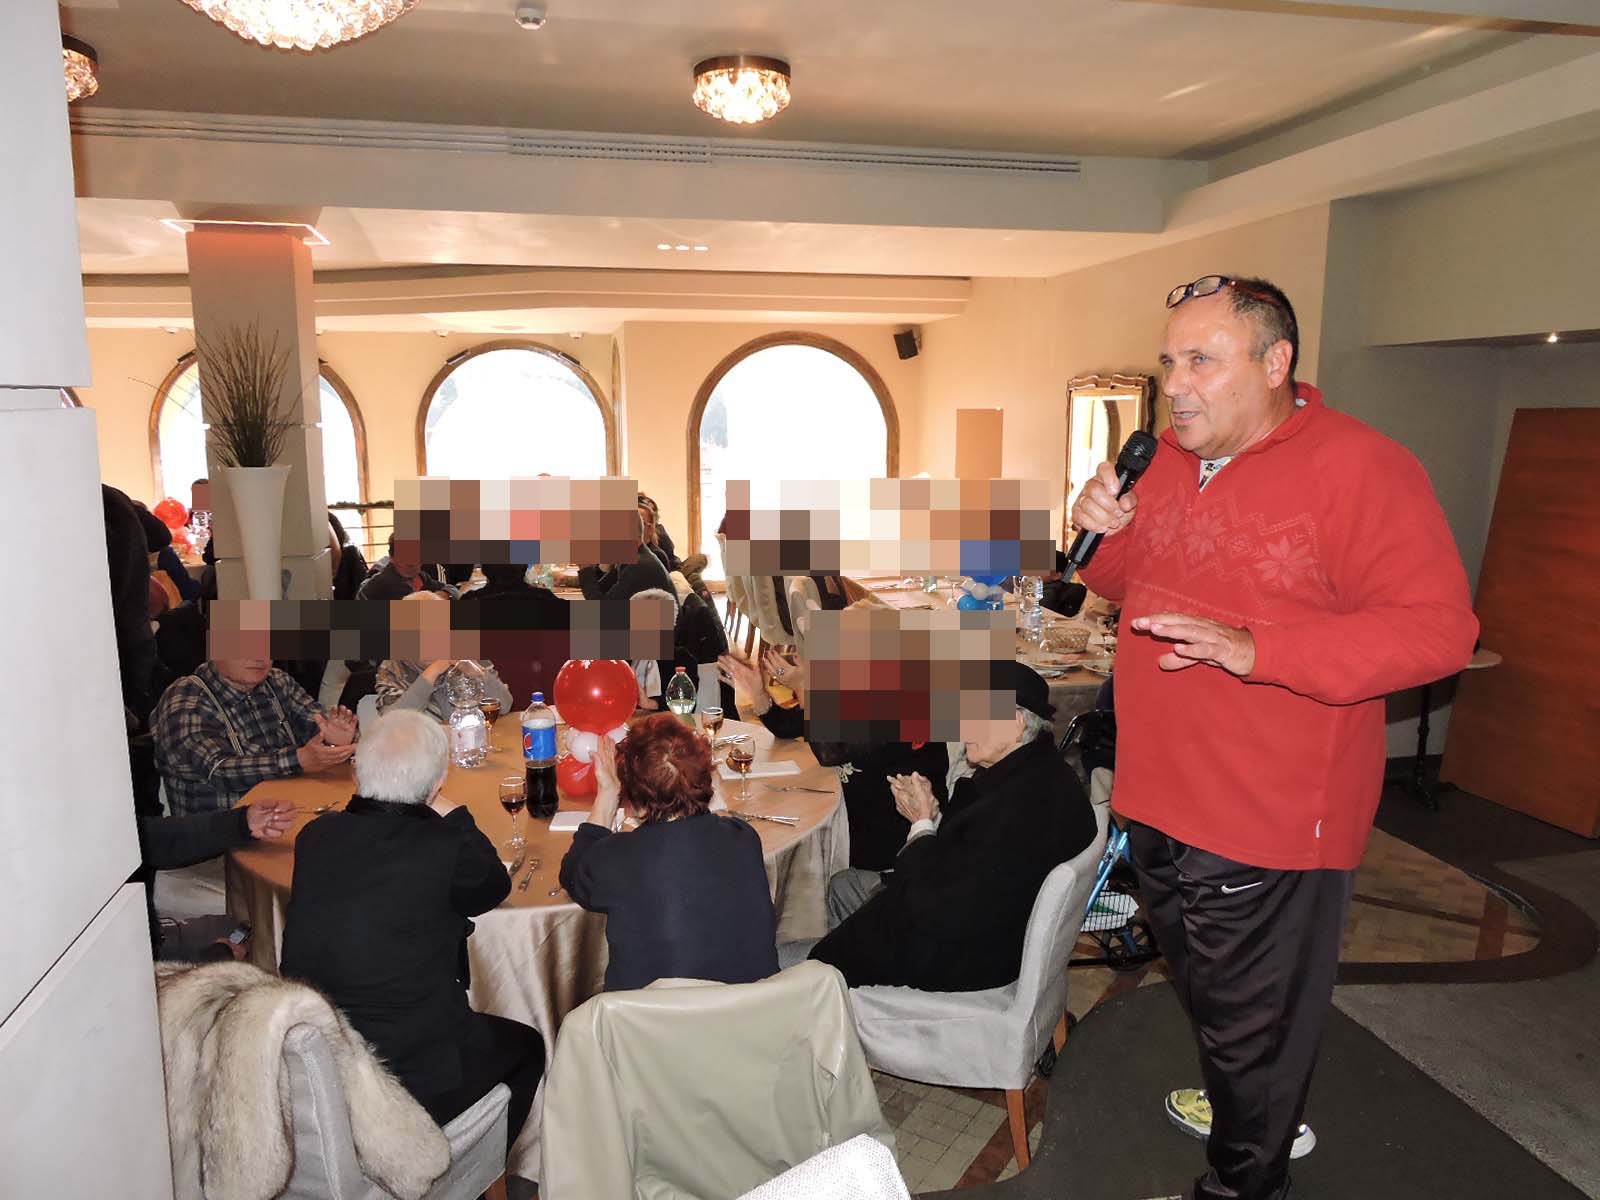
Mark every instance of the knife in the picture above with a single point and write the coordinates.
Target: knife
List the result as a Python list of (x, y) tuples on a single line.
[(795, 787)]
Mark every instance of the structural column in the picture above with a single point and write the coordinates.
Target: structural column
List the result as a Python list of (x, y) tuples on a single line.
[(259, 276)]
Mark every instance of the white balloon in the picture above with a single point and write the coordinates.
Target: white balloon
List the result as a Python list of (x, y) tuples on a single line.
[(582, 745), (617, 734)]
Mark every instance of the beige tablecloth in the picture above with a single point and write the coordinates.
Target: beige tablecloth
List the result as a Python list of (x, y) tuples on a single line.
[(537, 956)]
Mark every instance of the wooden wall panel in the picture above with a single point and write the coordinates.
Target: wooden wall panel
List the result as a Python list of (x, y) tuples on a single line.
[(1526, 734)]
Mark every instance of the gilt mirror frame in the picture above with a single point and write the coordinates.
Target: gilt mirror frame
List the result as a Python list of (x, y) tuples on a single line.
[(1102, 410)]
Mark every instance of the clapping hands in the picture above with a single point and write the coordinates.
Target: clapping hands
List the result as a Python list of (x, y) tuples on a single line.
[(338, 726), (913, 797)]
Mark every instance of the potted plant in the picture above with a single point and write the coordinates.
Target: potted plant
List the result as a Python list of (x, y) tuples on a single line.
[(242, 396)]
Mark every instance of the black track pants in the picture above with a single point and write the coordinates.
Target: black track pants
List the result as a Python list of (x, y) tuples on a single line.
[(1252, 953)]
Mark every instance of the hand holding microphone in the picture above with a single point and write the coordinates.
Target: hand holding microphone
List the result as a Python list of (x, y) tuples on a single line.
[(1107, 501)]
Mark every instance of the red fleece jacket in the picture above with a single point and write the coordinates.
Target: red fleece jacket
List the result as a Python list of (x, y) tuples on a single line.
[(1326, 542)]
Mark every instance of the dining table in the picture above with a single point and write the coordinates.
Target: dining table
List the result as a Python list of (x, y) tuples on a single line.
[(538, 955), (1075, 676)]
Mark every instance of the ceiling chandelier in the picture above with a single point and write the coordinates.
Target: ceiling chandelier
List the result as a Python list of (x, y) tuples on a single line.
[(302, 24), (741, 88), (81, 67)]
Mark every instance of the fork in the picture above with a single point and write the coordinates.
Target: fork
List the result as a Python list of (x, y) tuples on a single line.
[(522, 885)]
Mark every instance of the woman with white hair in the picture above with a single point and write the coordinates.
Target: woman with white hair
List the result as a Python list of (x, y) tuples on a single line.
[(379, 915)]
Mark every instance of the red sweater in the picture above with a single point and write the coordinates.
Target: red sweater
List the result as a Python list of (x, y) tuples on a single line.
[(1325, 541)]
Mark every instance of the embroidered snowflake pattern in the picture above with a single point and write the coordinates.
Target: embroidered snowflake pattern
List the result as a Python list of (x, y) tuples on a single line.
[(1205, 531), (1162, 533), (1285, 563), (845, 771)]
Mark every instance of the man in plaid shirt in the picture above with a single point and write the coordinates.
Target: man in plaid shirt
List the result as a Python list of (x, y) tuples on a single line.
[(235, 722)]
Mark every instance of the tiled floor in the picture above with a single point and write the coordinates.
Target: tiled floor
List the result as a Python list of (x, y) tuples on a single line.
[(1408, 907)]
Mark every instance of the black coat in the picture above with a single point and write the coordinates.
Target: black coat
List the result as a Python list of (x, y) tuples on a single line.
[(626, 580), (952, 916), (877, 830), (683, 899), (128, 564), (378, 920), (525, 632)]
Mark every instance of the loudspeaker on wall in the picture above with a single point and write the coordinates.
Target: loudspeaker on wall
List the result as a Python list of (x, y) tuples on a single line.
[(907, 342)]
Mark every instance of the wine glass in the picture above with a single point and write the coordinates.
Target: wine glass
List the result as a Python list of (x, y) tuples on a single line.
[(513, 795), (741, 758), (489, 706), (711, 721)]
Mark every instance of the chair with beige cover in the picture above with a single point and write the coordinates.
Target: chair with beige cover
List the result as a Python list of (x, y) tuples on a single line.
[(325, 1163), (705, 1090), (238, 1044), (990, 1038)]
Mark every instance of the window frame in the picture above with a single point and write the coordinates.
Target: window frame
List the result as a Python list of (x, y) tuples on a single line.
[(324, 371), (792, 337), (608, 417)]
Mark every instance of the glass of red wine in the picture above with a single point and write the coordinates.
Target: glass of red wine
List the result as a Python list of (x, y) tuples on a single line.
[(513, 795)]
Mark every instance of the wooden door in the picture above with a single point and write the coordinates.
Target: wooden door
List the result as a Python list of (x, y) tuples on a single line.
[(1526, 734)]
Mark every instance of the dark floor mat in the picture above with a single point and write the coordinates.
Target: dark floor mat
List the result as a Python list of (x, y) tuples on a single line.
[(1384, 1129)]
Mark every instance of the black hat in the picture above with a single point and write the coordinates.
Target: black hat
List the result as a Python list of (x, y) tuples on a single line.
[(1033, 693)]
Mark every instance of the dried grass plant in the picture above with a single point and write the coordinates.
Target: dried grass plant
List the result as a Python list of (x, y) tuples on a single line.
[(241, 389)]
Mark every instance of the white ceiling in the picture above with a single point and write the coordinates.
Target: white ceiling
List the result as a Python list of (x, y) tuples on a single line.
[(1127, 77), (1146, 79)]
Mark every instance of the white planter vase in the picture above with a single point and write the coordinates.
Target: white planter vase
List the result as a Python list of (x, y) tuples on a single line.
[(258, 507)]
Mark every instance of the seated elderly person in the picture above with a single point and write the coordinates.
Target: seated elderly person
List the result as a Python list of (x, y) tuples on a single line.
[(379, 915), (866, 770), (952, 915), (236, 722), (685, 894), (424, 684), (395, 578)]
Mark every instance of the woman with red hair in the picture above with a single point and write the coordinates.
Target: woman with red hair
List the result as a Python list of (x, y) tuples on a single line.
[(685, 894)]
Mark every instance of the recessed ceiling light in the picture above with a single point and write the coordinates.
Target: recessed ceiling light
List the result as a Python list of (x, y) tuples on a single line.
[(702, 247), (1553, 338), (663, 245), (442, 332), (680, 247)]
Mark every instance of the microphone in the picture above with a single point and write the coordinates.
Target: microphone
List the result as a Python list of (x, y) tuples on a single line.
[(1136, 454)]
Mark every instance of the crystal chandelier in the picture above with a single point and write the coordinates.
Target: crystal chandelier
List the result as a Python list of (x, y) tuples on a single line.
[(741, 88), (81, 67), (302, 24)]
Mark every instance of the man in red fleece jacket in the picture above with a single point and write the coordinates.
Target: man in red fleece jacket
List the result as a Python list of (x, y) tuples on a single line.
[(1281, 567)]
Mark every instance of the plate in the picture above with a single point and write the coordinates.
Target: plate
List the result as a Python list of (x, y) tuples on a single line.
[(1098, 666)]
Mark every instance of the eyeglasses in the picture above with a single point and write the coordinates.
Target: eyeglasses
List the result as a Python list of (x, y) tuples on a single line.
[(1210, 285)]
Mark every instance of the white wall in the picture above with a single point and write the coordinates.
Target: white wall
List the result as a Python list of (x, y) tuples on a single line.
[(1512, 252), (79, 1050)]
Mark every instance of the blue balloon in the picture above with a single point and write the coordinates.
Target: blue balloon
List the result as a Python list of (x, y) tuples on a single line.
[(990, 579), (969, 602)]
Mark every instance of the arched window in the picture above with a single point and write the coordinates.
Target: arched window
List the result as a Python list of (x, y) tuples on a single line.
[(178, 442), (802, 405), (511, 408)]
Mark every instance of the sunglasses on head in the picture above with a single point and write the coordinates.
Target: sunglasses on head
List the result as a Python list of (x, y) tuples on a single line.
[(1209, 285)]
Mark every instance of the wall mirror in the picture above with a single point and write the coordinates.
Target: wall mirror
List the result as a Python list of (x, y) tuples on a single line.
[(1102, 410)]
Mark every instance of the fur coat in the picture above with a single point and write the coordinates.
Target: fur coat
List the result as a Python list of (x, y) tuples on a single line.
[(222, 1032)]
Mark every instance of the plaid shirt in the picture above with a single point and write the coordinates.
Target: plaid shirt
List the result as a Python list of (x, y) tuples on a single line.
[(210, 756)]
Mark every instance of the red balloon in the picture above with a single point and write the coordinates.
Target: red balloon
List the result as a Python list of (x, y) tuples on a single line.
[(171, 514), (575, 779), (596, 694)]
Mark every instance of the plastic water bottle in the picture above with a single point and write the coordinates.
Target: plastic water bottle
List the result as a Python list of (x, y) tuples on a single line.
[(539, 757), (681, 696), (1030, 608), (469, 730)]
